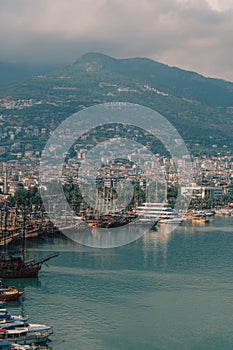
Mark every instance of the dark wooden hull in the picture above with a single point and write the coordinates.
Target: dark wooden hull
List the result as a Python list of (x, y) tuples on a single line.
[(18, 269), (110, 222), (19, 274)]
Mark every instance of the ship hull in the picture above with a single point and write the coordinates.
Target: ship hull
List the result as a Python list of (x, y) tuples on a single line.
[(10, 297), (18, 274), (17, 268)]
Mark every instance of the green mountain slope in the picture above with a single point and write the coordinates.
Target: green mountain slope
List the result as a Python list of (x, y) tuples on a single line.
[(200, 108)]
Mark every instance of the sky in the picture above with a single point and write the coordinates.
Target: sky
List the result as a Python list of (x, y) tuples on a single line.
[(192, 34)]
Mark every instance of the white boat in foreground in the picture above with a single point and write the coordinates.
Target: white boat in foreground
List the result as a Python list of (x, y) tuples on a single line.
[(17, 330), (6, 345), (23, 336), (6, 317)]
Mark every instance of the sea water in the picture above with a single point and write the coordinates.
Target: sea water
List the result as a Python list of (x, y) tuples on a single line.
[(166, 291)]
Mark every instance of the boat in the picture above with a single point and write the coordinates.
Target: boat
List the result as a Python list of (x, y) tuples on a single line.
[(200, 219), (16, 329), (16, 266), (108, 220), (9, 323), (209, 213), (33, 328), (104, 217), (6, 345), (172, 220), (6, 318), (23, 336), (9, 293), (158, 213), (22, 347), (13, 264)]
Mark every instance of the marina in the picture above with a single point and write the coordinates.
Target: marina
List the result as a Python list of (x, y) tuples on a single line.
[(103, 299)]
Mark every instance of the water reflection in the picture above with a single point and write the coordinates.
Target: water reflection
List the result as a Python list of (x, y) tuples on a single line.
[(108, 238), (22, 283), (157, 240)]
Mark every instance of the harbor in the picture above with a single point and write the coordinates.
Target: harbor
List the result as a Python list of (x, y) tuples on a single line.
[(98, 299), (79, 296)]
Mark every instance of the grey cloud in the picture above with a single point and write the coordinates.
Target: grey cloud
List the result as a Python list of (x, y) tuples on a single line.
[(186, 33)]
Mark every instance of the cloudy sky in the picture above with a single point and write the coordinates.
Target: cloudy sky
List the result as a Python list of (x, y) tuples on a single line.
[(192, 34)]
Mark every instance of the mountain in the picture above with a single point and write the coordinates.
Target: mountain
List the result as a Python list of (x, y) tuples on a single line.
[(172, 80), (200, 108)]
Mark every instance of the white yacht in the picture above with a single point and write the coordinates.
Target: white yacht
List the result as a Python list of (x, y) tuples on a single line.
[(17, 323), (158, 213), (17, 329), (23, 336)]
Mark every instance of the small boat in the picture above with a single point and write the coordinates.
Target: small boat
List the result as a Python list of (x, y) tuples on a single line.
[(33, 328), (9, 293), (6, 345), (22, 347), (6, 318), (209, 213), (200, 219)]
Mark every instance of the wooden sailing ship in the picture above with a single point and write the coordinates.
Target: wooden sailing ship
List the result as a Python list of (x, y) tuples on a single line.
[(105, 215), (94, 219), (13, 264), (16, 266)]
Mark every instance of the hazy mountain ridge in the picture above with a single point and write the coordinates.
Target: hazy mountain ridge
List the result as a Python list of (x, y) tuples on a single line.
[(11, 72), (173, 80)]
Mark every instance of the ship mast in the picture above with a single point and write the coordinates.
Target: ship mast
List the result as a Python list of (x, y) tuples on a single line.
[(24, 232), (5, 218), (22, 209)]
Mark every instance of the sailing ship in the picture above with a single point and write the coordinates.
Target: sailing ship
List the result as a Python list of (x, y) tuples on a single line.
[(16, 266), (108, 220), (13, 264), (105, 218)]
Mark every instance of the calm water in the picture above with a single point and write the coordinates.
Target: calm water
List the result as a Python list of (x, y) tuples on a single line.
[(165, 291)]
